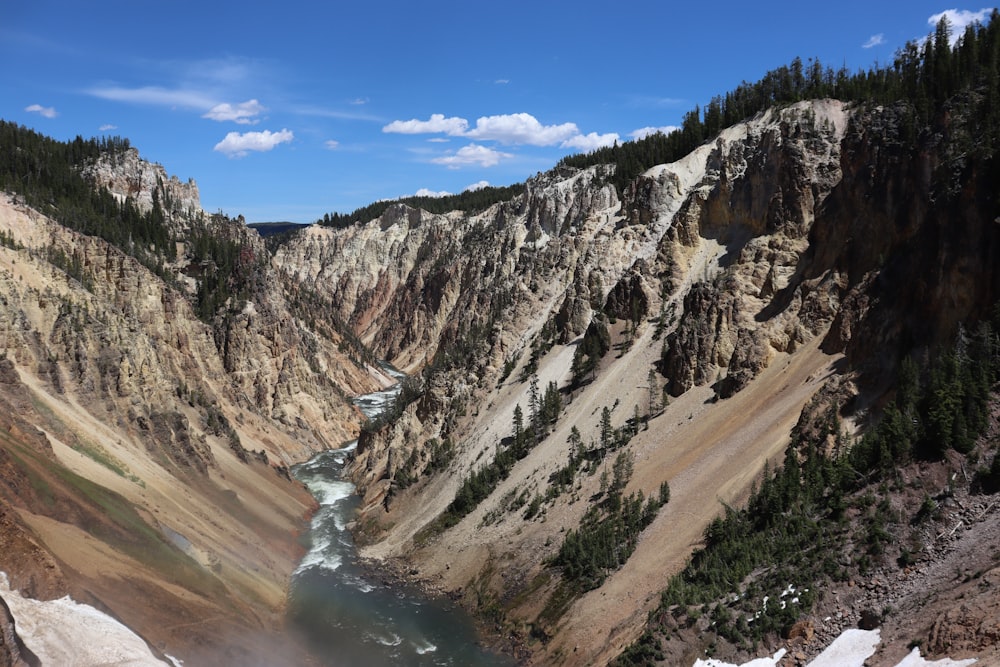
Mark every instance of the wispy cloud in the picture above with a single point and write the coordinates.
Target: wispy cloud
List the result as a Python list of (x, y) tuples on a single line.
[(472, 155), (959, 20), (359, 101), (107, 127), (325, 112), (237, 145), (873, 41), (331, 144), (502, 81), (244, 113), (644, 132), (655, 102), (47, 112), (157, 96), (207, 86), (229, 71)]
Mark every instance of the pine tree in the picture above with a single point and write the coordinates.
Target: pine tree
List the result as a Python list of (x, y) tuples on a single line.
[(607, 432)]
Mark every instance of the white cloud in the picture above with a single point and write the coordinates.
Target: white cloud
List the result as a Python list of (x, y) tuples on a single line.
[(244, 113), (438, 140), (331, 144), (502, 81), (472, 155), (644, 132), (479, 185), (47, 112), (424, 192), (359, 101), (959, 20), (588, 142), (874, 40), (517, 128), (239, 145), (521, 128), (107, 127), (437, 123)]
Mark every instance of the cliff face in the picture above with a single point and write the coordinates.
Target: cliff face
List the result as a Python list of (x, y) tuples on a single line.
[(412, 279), (126, 174), (145, 450), (714, 239), (809, 243)]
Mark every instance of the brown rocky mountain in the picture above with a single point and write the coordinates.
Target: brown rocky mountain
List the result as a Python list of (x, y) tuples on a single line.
[(791, 262)]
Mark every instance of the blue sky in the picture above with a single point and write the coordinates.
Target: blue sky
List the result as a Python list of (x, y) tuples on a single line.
[(286, 111)]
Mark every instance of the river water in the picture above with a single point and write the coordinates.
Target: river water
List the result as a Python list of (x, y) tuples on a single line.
[(349, 617)]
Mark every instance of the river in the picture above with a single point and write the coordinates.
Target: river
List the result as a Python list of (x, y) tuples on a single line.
[(349, 617)]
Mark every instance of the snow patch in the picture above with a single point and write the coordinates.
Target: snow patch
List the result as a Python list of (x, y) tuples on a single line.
[(914, 659), (64, 632), (850, 649), (759, 662)]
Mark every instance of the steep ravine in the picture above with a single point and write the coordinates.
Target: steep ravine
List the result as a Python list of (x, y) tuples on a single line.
[(794, 248), (732, 220), (144, 451)]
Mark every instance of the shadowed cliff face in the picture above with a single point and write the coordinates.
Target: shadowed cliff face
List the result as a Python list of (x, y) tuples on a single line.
[(916, 236)]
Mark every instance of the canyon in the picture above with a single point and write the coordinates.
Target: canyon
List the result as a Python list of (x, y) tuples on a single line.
[(784, 266)]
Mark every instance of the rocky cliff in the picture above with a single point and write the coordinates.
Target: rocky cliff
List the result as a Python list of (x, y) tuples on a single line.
[(714, 239), (805, 246), (127, 175)]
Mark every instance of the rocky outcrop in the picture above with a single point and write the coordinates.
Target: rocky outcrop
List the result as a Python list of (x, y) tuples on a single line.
[(13, 652), (970, 627), (126, 175), (764, 189)]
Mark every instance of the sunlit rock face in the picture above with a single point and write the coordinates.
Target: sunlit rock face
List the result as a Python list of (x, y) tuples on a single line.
[(126, 174)]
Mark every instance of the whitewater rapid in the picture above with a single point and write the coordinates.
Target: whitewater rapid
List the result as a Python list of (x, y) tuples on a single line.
[(346, 612)]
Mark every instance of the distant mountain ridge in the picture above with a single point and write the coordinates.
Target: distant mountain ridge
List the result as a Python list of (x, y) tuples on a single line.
[(266, 229)]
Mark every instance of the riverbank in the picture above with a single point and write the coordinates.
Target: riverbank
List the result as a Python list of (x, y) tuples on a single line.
[(354, 612), (491, 636)]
